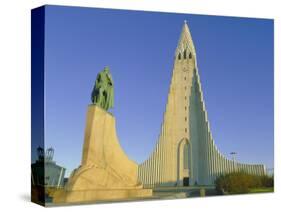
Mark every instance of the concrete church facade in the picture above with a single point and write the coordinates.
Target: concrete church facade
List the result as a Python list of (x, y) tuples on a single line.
[(185, 153)]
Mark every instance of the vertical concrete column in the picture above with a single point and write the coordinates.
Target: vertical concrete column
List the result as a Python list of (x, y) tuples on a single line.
[(224, 165), (167, 143), (145, 173), (231, 165), (205, 171), (150, 170), (210, 156), (207, 154), (204, 143), (161, 162), (260, 170), (157, 162), (164, 172), (213, 160), (237, 166), (164, 153), (256, 170), (153, 169), (253, 169), (228, 166), (259, 167), (263, 170), (140, 173), (206, 151), (200, 140), (250, 169), (217, 163)]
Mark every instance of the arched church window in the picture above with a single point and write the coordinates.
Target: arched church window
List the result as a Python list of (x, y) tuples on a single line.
[(184, 54), (179, 57), (185, 156), (190, 55)]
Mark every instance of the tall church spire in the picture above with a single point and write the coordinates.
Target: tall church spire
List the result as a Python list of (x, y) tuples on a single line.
[(185, 153), (185, 41)]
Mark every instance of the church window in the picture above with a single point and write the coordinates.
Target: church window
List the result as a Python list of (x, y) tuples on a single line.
[(179, 57), (185, 156), (190, 55)]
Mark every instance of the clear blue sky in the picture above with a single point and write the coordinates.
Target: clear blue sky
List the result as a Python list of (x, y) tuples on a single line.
[(235, 61)]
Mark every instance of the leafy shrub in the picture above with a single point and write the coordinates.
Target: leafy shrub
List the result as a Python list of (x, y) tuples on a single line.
[(240, 182), (267, 181)]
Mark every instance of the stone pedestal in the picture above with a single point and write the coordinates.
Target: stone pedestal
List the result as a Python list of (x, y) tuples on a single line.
[(106, 173)]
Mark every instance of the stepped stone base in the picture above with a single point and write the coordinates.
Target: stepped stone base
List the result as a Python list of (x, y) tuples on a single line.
[(106, 173)]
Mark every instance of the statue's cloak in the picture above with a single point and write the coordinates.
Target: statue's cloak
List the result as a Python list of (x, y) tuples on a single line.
[(109, 103), (103, 83)]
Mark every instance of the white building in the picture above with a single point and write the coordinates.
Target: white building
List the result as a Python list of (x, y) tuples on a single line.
[(185, 153)]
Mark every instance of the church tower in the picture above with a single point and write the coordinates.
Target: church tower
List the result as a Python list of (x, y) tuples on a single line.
[(185, 152)]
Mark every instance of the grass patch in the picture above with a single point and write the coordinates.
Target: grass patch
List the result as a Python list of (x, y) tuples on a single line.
[(261, 190)]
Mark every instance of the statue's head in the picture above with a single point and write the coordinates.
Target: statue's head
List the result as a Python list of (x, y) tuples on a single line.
[(106, 69)]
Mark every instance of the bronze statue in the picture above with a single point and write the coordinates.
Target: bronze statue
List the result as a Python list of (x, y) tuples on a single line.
[(102, 94)]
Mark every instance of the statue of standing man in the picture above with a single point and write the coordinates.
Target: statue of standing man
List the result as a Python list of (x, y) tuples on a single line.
[(102, 94)]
